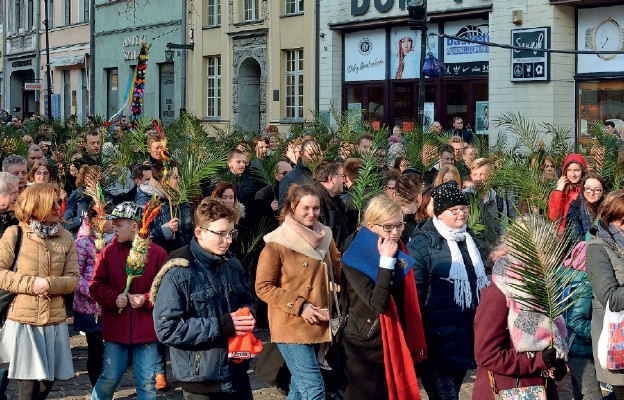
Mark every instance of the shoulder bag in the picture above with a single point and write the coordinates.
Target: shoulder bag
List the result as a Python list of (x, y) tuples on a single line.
[(535, 392), (6, 297), (336, 322)]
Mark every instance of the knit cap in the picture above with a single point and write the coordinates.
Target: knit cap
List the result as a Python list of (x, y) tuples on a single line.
[(447, 195)]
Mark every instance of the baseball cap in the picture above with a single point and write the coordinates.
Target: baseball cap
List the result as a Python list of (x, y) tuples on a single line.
[(128, 210)]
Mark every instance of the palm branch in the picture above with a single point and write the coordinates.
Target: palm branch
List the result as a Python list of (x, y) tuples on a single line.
[(264, 168), (537, 253), (369, 181), (194, 171), (251, 242)]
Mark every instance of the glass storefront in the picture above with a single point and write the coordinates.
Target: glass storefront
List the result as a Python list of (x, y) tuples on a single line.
[(599, 101)]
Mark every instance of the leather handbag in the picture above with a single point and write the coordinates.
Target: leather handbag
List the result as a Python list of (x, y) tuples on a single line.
[(535, 392), (6, 297), (336, 322)]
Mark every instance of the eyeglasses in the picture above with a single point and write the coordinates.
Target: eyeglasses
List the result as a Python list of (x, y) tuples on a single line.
[(593, 191), (456, 211), (389, 227), (224, 235)]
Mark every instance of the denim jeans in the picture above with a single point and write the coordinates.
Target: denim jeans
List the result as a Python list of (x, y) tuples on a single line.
[(116, 360), (306, 382)]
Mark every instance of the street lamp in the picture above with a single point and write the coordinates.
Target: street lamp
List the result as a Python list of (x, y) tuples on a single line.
[(417, 20)]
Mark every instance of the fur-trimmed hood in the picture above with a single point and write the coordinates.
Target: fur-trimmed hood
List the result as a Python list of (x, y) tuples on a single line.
[(180, 258)]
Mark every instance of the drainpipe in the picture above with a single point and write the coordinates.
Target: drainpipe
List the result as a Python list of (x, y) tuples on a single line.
[(92, 59), (184, 28), (48, 72), (37, 20), (317, 55)]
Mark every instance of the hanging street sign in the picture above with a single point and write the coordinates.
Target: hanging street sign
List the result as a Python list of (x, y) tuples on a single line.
[(530, 64)]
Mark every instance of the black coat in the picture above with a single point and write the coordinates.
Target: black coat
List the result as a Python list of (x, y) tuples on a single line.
[(333, 215), (448, 329), (7, 219), (264, 198), (300, 175)]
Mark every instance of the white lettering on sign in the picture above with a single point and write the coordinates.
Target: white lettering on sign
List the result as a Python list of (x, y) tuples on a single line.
[(536, 44), (131, 55), (134, 40)]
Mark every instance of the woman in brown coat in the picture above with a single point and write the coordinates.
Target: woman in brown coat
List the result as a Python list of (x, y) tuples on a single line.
[(292, 278), (35, 338)]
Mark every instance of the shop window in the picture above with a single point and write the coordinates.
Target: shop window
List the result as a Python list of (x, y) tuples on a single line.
[(214, 12), (294, 84), (598, 102), (251, 11), (294, 7), (456, 103), (112, 91), (403, 103), (213, 87)]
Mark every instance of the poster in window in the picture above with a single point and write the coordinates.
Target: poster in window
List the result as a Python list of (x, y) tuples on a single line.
[(365, 55), (600, 29), (405, 51), (482, 117), (429, 113), (466, 58)]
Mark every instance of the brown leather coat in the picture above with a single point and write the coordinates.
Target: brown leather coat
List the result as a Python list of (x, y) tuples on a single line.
[(53, 259), (290, 272)]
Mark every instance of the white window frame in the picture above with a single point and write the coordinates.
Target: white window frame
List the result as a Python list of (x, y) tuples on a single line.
[(213, 86), (67, 16), (293, 71), (251, 10), (213, 12), (293, 7)]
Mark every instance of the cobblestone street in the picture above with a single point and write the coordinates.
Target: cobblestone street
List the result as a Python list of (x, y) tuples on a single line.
[(78, 388)]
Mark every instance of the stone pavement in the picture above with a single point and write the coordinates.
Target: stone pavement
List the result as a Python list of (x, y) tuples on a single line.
[(79, 387)]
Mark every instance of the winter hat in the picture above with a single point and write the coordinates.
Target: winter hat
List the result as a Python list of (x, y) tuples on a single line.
[(447, 195), (573, 158)]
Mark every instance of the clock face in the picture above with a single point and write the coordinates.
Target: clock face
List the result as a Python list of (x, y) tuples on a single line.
[(608, 37)]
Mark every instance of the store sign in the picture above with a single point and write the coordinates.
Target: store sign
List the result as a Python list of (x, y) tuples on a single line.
[(21, 63), (133, 41), (365, 56), (382, 6), (530, 64), (465, 58), (405, 51), (32, 85), (600, 29)]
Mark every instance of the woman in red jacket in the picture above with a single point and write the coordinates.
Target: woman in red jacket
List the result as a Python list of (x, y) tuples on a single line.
[(512, 344), (568, 187)]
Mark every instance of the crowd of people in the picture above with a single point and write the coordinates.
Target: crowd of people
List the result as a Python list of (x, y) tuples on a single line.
[(365, 291)]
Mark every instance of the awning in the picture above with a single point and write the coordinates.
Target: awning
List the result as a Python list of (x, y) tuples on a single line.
[(67, 60)]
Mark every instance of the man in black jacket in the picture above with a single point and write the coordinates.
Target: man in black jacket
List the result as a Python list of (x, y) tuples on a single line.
[(301, 174), (266, 198), (329, 176)]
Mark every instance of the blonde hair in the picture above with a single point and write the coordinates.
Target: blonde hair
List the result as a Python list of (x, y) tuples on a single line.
[(443, 171), (480, 162), (380, 208), (36, 202)]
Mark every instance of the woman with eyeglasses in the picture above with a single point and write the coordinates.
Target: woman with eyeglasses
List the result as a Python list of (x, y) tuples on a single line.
[(605, 269), (584, 209), (449, 274), (196, 296), (35, 337), (292, 278), (381, 307)]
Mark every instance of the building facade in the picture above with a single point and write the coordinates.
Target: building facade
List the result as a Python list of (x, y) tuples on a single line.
[(254, 62), (121, 28), (70, 56), (369, 62), (20, 56)]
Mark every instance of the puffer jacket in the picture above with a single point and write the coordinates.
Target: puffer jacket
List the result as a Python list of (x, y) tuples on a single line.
[(53, 259), (77, 206), (85, 249), (161, 234), (448, 329), (578, 319), (193, 296)]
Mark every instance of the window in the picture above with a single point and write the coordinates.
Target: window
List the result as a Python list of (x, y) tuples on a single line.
[(18, 15), (112, 90), (66, 93), (68, 12), (51, 13), (214, 12), (294, 7), (250, 10), (213, 87), (86, 10), (31, 16), (294, 84), (598, 101)]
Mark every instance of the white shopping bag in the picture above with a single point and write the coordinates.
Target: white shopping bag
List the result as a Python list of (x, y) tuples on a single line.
[(611, 341)]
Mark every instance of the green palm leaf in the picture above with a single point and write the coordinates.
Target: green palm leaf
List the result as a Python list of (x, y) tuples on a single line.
[(536, 255), (194, 171)]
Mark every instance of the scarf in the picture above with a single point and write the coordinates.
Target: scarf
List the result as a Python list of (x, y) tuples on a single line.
[(45, 231), (458, 274), (614, 237), (403, 345), (530, 331), (313, 236)]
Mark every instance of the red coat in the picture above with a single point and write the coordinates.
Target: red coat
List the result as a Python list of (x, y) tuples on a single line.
[(494, 351), (132, 325), (559, 203)]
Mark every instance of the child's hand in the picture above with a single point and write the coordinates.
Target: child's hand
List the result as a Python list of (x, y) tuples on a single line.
[(136, 300)]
